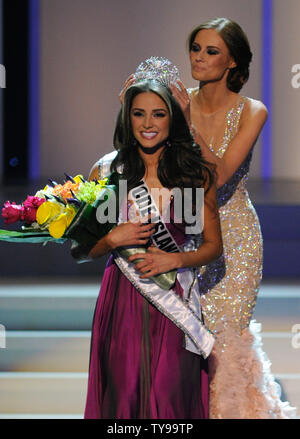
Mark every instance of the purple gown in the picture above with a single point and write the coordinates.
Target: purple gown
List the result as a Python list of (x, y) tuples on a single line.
[(139, 368)]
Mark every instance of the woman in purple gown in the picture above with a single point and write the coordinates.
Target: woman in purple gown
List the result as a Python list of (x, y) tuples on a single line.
[(149, 346)]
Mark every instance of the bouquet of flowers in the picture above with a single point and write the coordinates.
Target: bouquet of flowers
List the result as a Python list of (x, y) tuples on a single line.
[(69, 211), (53, 213)]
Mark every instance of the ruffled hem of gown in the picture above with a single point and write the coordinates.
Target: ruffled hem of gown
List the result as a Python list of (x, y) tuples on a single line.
[(241, 383)]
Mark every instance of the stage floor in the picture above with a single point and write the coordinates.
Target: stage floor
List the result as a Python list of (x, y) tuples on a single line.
[(44, 366)]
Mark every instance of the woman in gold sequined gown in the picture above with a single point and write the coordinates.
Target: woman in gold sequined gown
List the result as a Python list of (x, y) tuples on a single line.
[(226, 126)]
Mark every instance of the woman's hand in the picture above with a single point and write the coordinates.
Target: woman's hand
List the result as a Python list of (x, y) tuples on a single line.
[(129, 81), (155, 261), (130, 234), (183, 99)]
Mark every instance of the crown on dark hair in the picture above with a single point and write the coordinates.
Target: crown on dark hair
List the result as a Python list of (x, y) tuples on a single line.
[(159, 69)]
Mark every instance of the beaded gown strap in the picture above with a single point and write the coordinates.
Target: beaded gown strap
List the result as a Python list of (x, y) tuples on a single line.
[(235, 113), (189, 91), (232, 124), (236, 184)]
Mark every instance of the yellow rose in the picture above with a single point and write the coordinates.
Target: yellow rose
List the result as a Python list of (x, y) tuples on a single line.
[(47, 211), (58, 227)]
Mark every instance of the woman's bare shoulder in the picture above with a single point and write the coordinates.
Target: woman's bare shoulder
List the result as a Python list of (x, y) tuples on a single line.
[(255, 106), (255, 110), (100, 169)]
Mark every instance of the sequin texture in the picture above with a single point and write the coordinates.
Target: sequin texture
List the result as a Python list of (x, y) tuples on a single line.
[(229, 286)]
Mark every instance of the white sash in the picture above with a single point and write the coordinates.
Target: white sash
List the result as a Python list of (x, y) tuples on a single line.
[(144, 204), (183, 312)]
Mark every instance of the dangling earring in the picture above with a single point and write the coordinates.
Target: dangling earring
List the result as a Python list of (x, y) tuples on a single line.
[(134, 142), (168, 143)]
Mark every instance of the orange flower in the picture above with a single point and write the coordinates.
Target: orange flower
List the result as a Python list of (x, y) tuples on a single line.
[(64, 191)]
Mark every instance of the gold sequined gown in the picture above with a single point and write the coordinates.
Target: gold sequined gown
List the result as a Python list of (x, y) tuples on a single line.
[(241, 384)]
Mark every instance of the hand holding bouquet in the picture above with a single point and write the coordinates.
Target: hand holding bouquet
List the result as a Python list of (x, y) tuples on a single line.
[(69, 211)]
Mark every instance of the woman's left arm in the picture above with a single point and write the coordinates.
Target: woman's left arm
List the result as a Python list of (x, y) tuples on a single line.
[(253, 118), (157, 261), (252, 121)]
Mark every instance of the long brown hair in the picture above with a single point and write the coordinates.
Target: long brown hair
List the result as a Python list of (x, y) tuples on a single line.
[(180, 165)]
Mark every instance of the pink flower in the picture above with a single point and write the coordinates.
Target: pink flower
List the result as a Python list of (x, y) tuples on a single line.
[(31, 204), (12, 212), (29, 215), (33, 201)]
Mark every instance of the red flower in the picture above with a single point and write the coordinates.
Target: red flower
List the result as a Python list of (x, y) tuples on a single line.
[(12, 212), (29, 215), (31, 205), (33, 201)]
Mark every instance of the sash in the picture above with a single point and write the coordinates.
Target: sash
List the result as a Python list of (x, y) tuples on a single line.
[(184, 312), (144, 204)]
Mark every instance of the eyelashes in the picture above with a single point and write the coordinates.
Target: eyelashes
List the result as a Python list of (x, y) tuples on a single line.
[(141, 114), (212, 52), (159, 114), (195, 48)]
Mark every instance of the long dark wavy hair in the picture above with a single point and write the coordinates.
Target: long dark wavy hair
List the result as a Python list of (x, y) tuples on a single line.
[(238, 45), (180, 165)]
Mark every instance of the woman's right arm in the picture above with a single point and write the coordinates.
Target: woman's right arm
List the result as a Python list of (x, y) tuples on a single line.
[(123, 235)]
